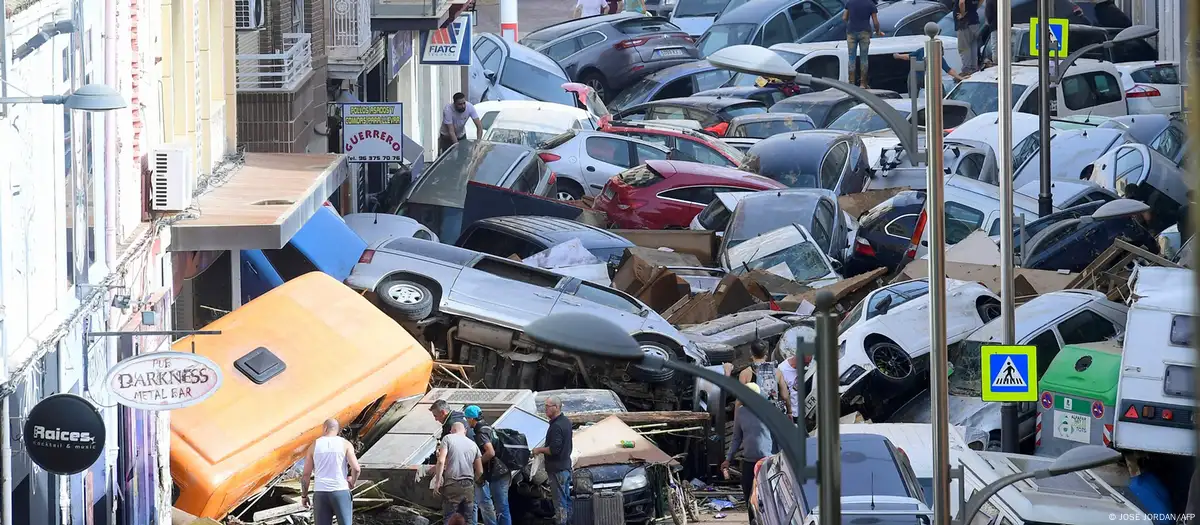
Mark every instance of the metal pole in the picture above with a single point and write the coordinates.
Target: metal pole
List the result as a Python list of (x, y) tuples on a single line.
[(938, 356), (1045, 201), (829, 462), (3, 70), (1009, 439), (1192, 37), (6, 450), (508, 20)]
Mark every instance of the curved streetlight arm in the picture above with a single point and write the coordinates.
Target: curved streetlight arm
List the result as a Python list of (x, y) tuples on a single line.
[(1071, 58), (899, 125), (48, 99), (792, 441), (979, 498)]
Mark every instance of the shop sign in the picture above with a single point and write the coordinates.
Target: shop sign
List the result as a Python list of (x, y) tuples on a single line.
[(400, 49), (163, 380), (64, 434), (448, 46), (373, 131)]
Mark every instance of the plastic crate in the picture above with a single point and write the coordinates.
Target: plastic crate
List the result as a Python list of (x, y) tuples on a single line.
[(582, 510), (608, 508)]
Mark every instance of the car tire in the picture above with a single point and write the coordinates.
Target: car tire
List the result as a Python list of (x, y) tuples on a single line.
[(891, 362), (718, 353), (640, 373), (595, 81), (411, 300), (988, 309), (569, 190)]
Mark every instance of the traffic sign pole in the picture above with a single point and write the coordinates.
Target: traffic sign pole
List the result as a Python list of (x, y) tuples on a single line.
[(1004, 56), (1045, 201)]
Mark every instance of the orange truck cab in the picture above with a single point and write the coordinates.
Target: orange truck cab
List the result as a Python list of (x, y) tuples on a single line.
[(306, 351)]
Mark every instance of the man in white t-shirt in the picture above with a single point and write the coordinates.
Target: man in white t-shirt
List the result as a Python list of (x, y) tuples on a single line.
[(454, 122), (589, 7)]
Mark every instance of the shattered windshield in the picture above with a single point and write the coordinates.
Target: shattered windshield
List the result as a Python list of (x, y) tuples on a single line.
[(785, 252), (965, 369), (862, 119)]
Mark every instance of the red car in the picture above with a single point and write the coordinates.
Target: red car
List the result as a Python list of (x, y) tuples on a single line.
[(668, 194), (684, 143)]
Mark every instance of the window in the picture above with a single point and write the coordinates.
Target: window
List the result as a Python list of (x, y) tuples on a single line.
[(1169, 143), (589, 39), (911, 290), (971, 166), (298, 16), (666, 112), (643, 153), (290, 262), (824, 66), (1178, 381), (676, 88), (1047, 348), (1107, 87), (833, 165), (1090, 89), (500, 244), (527, 181), (902, 226), (535, 82), (822, 228), (701, 195), (805, 17), (916, 26), (711, 79), (607, 297), (1128, 165), (697, 152), (654, 138), (489, 54), (1025, 149), (1181, 330), (1086, 327), (71, 198), (507, 269), (1133, 51), (1032, 104), (1159, 74), (487, 118), (961, 221), (776, 31), (563, 49), (611, 150)]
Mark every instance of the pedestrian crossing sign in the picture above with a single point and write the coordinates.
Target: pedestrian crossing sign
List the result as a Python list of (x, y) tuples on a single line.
[(1009, 373), (1059, 34)]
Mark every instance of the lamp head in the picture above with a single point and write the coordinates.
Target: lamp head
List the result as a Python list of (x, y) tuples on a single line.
[(1137, 32), (753, 60), (94, 97), (1080, 458), (585, 334)]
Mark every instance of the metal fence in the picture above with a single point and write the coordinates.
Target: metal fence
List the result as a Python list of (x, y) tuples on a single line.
[(282, 71), (350, 29)]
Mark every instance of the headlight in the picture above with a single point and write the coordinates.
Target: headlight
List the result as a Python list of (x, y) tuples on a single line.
[(850, 375), (635, 479)]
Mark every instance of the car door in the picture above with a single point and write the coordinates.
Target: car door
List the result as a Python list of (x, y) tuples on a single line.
[(603, 302), (821, 228), (488, 57), (905, 313), (607, 155), (834, 165), (506, 291), (805, 16)]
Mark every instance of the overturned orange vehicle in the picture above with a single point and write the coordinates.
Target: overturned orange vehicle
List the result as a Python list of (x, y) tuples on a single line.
[(304, 352)]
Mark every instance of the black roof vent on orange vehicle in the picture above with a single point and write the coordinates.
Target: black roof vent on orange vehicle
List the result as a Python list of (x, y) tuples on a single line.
[(260, 365)]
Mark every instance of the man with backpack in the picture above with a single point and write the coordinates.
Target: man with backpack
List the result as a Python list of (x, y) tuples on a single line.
[(496, 475)]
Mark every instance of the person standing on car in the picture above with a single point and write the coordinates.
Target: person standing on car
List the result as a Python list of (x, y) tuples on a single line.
[(559, 441), (752, 437), (334, 467), (454, 122), (442, 413), (767, 376), (493, 492), (859, 16), (459, 466), (966, 25)]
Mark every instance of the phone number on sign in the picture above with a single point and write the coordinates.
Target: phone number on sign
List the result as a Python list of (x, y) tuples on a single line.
[(378, 158), (1172, 518)]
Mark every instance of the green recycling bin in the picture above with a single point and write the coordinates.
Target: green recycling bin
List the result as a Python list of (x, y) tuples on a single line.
[(1078, 398)]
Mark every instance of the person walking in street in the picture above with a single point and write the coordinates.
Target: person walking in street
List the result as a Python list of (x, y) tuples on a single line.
[(454, 122), (752, 437), (557, 451), (492, 494), (919, 54), (586, 8), (859, 15), (459, 467), (966, 28), (791, 374), (334, 467), (769, 379), (442, 413)]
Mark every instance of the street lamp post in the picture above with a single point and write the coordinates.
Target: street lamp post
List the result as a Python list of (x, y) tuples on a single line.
[(1073, 460), (92, 97)]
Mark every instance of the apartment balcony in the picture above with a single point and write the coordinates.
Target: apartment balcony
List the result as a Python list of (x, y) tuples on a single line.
[(353, 47), (282, 71), (405, 15)]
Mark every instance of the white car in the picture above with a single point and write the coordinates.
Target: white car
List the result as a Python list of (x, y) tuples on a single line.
[(789, 252), (883, 343), (492, 110), (1151, 87), (531, 126), (378, 227)]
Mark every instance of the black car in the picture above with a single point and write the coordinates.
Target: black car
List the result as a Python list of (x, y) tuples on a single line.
[(1164, 134), (832, 160), (611, 52), (884, 233), (683, 80), (525, 235), (1033, 228), (764, 211), (1073, 244), (902, 18), (713, 113), (768, 95), (824, 106), (767, 22)]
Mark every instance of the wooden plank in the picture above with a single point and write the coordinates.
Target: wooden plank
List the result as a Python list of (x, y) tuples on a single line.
[(1145, 254), (291, 508), (675, 418)]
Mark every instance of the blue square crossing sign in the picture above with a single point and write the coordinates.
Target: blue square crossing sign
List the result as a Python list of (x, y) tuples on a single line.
[(1009, 373), (1059, 35)]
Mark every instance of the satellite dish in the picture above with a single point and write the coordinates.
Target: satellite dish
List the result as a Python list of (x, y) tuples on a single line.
[(1119, 208)]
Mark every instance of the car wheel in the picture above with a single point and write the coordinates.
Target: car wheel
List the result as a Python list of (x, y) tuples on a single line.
[(640, 373), (595, 81), (568, 190), (411, 300), (988, 309), (718, 353), (891, 361)]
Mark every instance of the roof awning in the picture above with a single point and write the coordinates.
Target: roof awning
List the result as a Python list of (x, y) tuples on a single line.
[(263, 204)]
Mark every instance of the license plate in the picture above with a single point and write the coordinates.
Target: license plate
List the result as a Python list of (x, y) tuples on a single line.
[(670, 53), (1072, 427), (609, 192), (810, 403)]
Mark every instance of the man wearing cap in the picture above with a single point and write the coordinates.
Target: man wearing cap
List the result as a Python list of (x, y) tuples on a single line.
[(493, 492), (752, 436), (442, 413)]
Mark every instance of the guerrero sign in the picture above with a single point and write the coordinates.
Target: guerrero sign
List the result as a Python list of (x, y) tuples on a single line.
[(163, 380), (373, 131), (64, 434)]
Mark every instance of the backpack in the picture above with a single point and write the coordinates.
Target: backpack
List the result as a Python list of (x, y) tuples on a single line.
[(512, 448)]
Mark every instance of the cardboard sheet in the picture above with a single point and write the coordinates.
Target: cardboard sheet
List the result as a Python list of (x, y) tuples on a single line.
[(600, 444)]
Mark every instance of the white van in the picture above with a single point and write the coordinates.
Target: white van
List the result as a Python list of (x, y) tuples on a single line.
[(1090, 87), (829, 60), (1155, 394)]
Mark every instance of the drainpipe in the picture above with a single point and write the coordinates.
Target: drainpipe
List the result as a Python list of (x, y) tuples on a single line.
[(110, 136), (5, 466)]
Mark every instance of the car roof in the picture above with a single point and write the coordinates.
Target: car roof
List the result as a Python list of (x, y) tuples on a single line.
[(833, 95), (754, 11), (555, 230), (1064, 190), (715, 103), (879, 46), (803, 201), (1033, 315), (553, 32), (1143, 128), (1025, 72), (734, 91), (809, 138), (670, 168), (676, 71), (530, 55)]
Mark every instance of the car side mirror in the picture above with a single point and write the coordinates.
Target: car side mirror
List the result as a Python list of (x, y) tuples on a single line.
[(489, 74), (883, 305), (836, 264)]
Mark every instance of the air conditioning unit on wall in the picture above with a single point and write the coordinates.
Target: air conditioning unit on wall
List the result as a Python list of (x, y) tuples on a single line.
[(173, 178), (249, 15)]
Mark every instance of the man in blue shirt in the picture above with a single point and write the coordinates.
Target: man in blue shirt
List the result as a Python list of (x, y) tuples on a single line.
[(919, 55), (966, 25), (859, 15)]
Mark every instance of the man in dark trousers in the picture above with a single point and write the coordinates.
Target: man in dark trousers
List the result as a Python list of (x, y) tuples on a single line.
[(492, 493), (751, 435), (442, 413), (966, 25), (558, 459), (859, 16)]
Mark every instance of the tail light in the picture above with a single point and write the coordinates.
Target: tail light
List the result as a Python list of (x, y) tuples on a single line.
[(366, 257), (688, 38), (633, 42), (911, 253), (863, 247), (1142, 91), (548, 157)]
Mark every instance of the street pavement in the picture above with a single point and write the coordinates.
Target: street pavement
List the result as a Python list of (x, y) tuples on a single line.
[(531, 14)]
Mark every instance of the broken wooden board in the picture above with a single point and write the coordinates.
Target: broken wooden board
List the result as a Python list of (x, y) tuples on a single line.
[(1109, 273), (277, 512)]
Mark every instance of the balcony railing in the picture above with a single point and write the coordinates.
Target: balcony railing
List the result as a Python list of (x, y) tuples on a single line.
[(350, 29), (281, 71), (385, 9)]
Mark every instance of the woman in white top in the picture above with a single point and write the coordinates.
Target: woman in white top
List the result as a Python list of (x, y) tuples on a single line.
[(334, 467)]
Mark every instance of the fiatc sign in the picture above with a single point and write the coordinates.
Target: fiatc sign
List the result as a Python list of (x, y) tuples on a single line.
[(448, 46), (373, 131), (64, 434), (163, 380)]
